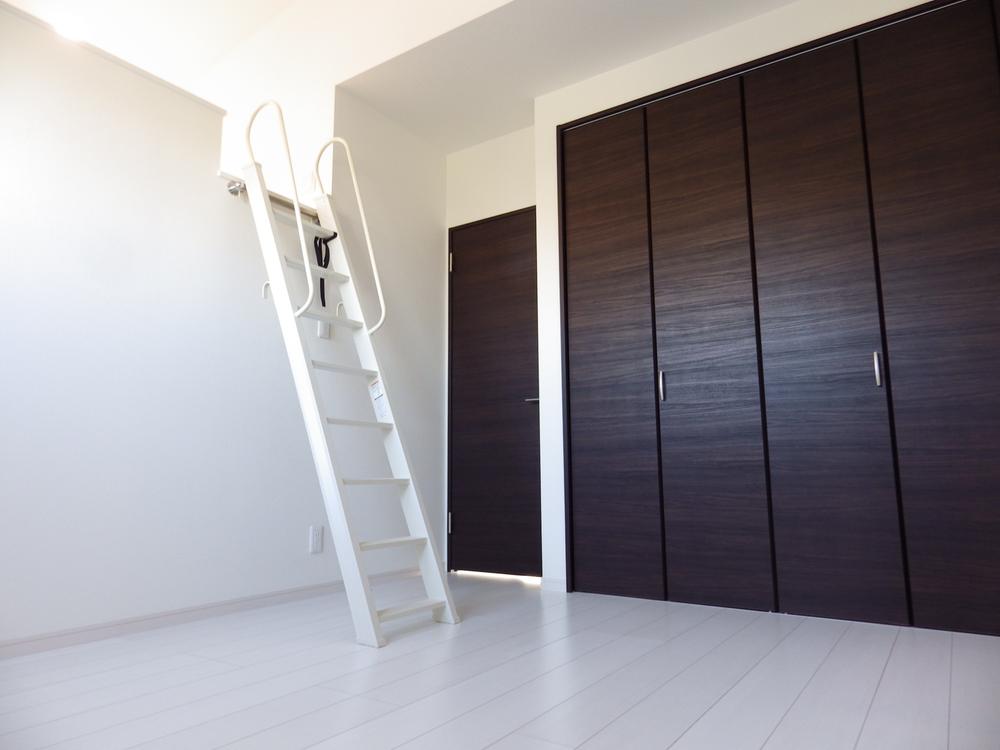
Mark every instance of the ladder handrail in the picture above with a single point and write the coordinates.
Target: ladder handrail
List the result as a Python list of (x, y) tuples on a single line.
[(361, 212), (295, 193)]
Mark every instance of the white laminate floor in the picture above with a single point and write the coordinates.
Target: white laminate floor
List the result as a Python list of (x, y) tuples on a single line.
[(526, 670)]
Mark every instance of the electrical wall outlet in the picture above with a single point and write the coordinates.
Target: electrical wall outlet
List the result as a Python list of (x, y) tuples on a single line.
[(315, 539)]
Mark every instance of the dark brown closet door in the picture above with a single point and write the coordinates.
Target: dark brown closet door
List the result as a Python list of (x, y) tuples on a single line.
[(493, 431), (716, 523), (616, 530), (932, 101), (836, 521)]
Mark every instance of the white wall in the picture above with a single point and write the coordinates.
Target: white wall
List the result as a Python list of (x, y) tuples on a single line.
[(491, 178), (402, 181), (152, 456), (775, 31)]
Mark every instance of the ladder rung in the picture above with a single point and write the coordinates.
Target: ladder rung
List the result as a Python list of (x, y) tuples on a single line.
[(359, 423), (379, 480), (397, 541), (334, 320), (327, 273), (287, 216), (402, 610), (345, 369)]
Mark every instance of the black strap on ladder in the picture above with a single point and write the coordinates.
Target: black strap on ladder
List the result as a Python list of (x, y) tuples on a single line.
[(321, 246)]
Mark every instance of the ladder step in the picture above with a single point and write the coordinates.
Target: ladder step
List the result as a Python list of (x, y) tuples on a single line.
[(359, 423), (398, 541), (309, 225), (378, 480), (333, 320), (326, 273), (402, 610), (345, 369)]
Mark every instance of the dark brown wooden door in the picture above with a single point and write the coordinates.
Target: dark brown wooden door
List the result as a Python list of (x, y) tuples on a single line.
[(493, 442), (718, 539), (836, 521), (932, 101), (616, 526)]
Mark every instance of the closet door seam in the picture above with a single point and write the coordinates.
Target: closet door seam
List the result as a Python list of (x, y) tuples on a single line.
[(886, 364)]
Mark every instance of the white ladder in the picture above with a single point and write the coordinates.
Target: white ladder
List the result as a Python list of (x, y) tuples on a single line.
[(335, 483)]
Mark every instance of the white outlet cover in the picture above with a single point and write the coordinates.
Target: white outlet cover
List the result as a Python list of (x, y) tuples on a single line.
[(315, 540)]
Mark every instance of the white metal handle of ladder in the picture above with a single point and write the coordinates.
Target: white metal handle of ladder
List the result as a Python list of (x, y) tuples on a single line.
[(361, 213), (295, 194)]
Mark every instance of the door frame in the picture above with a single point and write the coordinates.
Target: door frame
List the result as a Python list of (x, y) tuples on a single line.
[(738, 70), (448, 441)]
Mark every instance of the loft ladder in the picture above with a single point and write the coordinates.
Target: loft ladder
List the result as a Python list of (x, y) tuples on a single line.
[(336, 482)]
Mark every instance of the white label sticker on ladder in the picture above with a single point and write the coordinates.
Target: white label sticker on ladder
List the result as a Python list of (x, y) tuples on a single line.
[(377, 392)]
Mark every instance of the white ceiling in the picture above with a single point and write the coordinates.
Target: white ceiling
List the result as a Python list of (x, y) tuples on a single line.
[(237, 53), (479, 80), (176, 40), (474, 76), (220, 49)]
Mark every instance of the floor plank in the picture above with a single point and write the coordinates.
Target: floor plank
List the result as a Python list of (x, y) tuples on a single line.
[(504, 631), (747, 714), (829, 713), (108, 679), (491, 722), (589, 711), (241, 724), (93, 700), (523, 742), (910, 709), (975, 693), (417, 686), (668, 712), (469, 692), (314, 727)]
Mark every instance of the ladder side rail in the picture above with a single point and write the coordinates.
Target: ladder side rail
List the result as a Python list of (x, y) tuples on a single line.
[(248, 136), (430, 563), (361, 213), (356, 583)]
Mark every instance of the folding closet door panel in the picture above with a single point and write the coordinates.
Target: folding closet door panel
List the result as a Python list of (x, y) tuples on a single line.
[(617, 545), (716, 523), (836, 521), (932, 101)]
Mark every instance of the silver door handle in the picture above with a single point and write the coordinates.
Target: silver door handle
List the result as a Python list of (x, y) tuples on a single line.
[(878, 369), (531, 400), (661, 384)]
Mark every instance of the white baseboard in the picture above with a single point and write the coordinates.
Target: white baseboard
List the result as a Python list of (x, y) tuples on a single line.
[(75, 636)]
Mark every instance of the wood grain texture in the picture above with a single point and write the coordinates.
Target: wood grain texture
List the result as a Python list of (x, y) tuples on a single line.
[(615, 483), (494, 461), (718, 539), (932, 101), (834, 500), (996, 18)]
